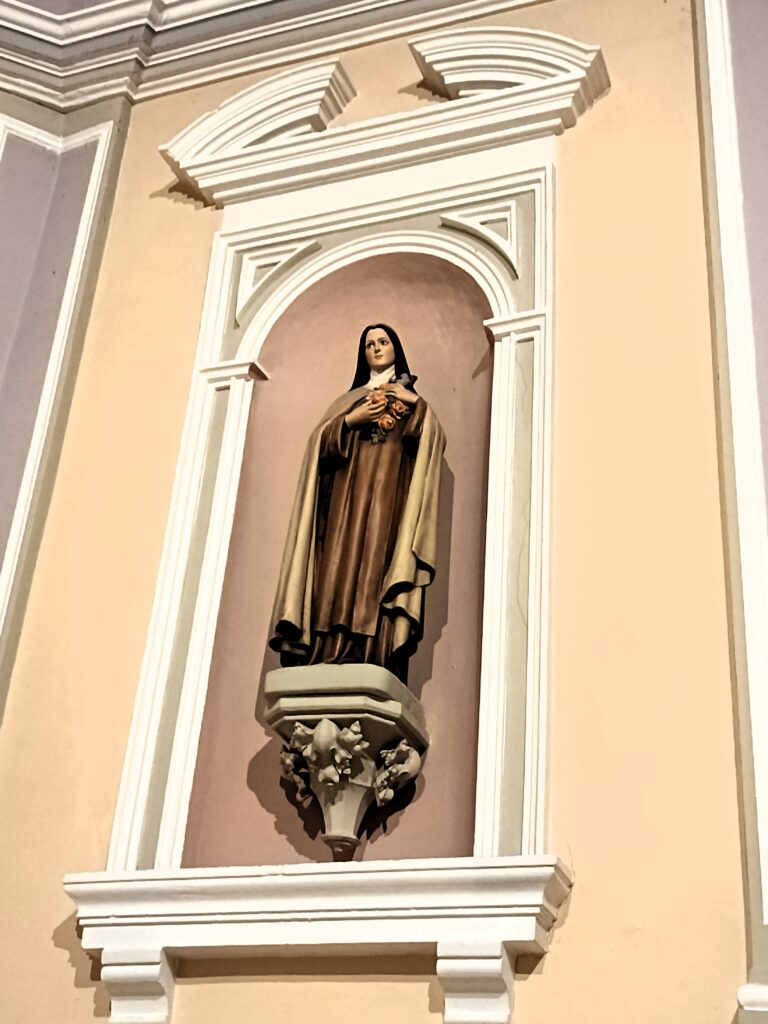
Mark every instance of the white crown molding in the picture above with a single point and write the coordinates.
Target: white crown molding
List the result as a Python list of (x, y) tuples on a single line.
[(144, 48), (75, 26), (301, 101), (496, 116), (478, 915), (464, 61)]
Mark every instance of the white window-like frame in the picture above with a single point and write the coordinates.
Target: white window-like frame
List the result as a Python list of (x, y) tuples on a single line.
[(489, 149)]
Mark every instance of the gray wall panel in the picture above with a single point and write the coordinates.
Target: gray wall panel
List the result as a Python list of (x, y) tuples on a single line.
[(749, 40), (41, 203)]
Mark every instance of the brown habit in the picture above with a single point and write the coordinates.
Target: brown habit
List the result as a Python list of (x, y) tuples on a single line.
[(361, 542)]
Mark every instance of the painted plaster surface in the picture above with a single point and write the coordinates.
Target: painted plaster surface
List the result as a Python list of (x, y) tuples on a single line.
[(643, 770), (322, 989), (41, 201)]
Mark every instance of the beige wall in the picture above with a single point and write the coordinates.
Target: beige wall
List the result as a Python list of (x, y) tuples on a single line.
[(642, 777)]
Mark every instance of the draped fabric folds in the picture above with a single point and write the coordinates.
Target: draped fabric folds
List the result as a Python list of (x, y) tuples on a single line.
[(361, 544)]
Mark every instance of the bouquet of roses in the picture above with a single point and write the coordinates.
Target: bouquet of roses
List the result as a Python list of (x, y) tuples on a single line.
[(395, 410)]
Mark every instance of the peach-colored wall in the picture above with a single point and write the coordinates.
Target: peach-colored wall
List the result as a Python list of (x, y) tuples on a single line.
[(642, 781), (642, 777), (438, 312), (321, 990)]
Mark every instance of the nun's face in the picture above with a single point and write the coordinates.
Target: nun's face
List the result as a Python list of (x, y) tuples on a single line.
[(379, 350)]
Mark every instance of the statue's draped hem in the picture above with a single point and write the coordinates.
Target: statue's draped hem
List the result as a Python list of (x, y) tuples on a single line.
[(412, 564)]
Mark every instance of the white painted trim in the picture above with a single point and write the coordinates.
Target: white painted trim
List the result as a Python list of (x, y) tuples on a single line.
[(465, 253), (48, 140), (309, 215), (465, 908), (535, 794), (100, 134), (82, 69), (478, 915), (140, 984), (73, 26), (116, 15), (753, 997), (472, 59), (339, 907), (173, 825), (236, 170), (752, 515), (477, 979), (302, 100)]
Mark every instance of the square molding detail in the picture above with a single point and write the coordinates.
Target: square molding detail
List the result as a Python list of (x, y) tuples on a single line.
[(476, 914)]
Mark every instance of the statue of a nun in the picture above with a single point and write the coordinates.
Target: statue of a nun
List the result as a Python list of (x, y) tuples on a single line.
[(362, 540)]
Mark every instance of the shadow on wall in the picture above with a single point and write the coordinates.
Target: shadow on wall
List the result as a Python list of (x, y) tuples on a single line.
[(87, 971), (378, 967)]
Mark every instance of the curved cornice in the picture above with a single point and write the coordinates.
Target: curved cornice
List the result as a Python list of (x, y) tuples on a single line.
[(289, 105), (465, 61), (497, 115)]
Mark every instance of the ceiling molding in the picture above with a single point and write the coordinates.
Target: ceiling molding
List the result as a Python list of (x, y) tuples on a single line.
[(490, 118), (462, 62), (143, 48)]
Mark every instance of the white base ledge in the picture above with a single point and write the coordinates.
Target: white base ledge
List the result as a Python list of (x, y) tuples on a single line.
[(465, 909), (753, 997)]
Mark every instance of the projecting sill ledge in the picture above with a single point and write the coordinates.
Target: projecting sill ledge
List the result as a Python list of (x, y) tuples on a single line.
[(478, 915)]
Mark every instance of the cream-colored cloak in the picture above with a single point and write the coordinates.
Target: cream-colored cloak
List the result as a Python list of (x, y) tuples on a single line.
[(412, 567)]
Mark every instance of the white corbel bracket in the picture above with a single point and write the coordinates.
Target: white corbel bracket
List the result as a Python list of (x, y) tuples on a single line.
[(477, 979), (140, 984), (349, 909)]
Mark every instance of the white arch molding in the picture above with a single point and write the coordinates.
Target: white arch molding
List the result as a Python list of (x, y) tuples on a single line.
[(495, 278), (470, 182)]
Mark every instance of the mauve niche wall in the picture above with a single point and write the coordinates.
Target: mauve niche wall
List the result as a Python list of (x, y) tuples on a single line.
[(239, 813)]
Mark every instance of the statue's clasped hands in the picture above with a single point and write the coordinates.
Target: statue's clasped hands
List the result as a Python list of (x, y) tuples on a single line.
[(368, 411), (395, 390), (377, 403)]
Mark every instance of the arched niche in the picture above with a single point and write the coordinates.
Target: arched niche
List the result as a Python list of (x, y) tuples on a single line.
[(238, 810), (470, 182)]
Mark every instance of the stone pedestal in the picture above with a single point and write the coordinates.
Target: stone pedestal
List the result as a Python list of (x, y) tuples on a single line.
[(353, 734)]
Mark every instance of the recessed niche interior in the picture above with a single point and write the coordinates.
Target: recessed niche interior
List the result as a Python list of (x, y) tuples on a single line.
[(239, 810)]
